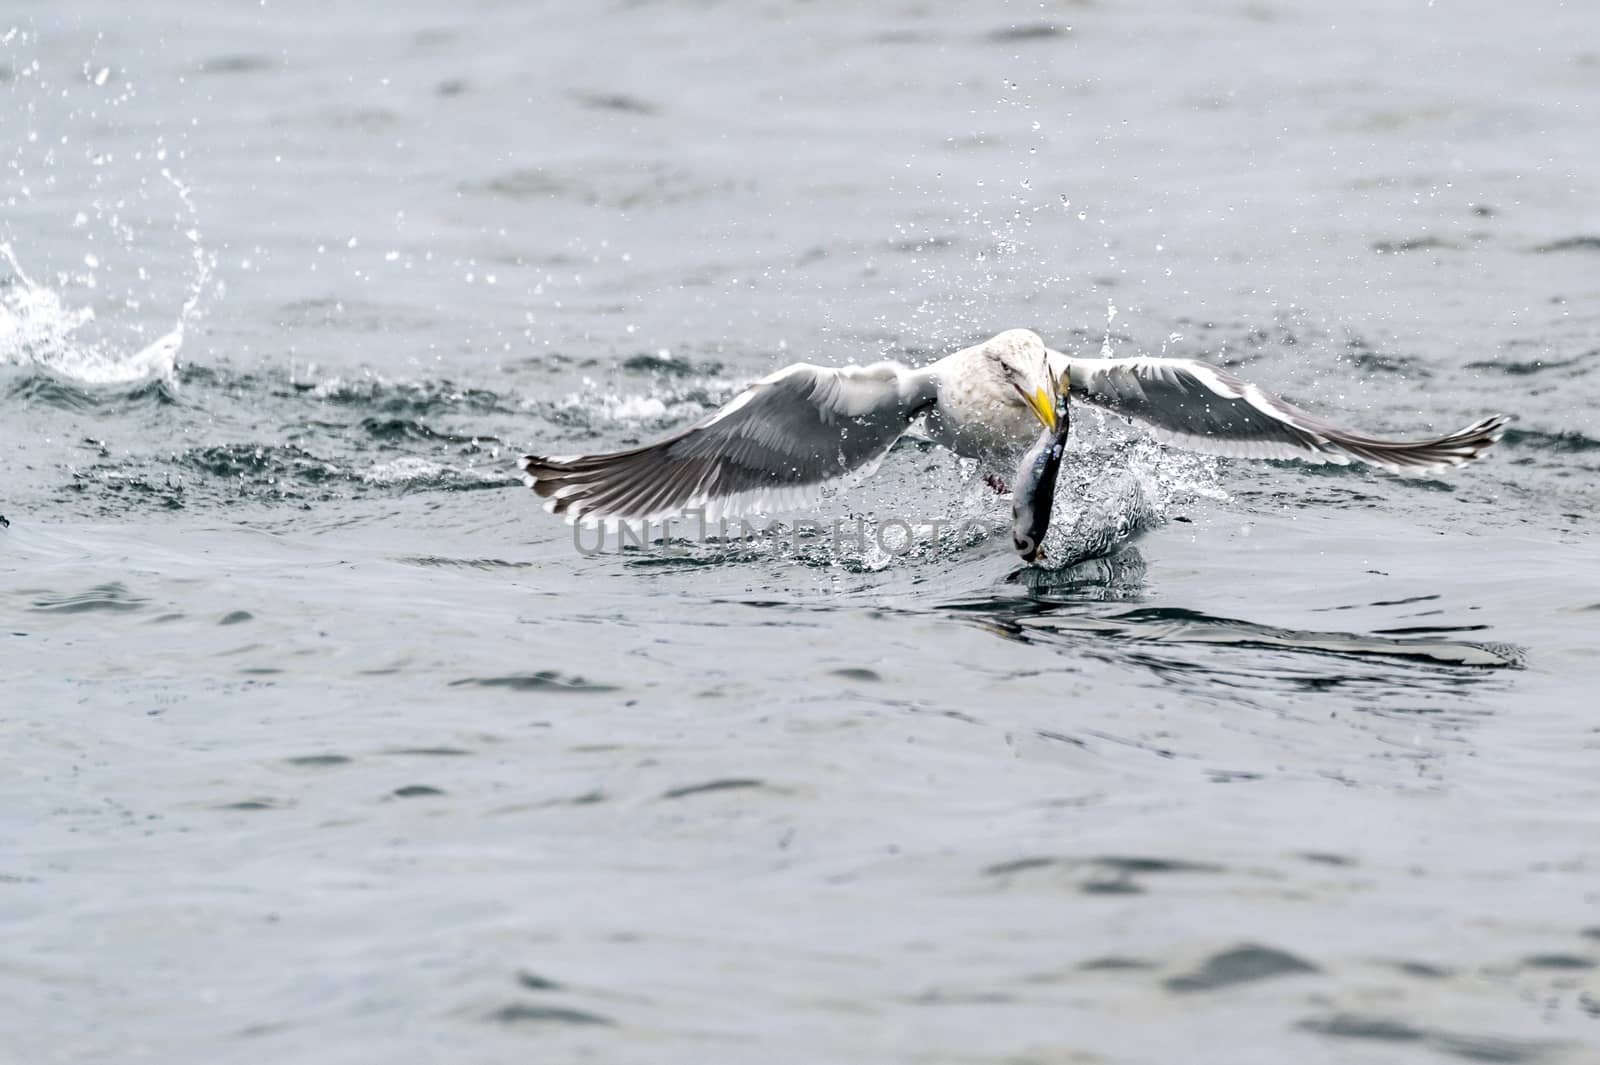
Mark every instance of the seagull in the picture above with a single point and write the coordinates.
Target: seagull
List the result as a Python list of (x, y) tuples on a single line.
[(778, 443)]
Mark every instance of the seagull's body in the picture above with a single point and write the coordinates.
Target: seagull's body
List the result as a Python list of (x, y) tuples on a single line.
[(780, 441)]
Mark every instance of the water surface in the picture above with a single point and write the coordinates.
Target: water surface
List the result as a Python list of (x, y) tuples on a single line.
[(322, 743)]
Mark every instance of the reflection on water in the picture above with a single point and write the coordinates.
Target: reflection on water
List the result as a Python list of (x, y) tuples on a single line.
[(1096, 611), (1112, 577), (1064, 605), (1169, 625)]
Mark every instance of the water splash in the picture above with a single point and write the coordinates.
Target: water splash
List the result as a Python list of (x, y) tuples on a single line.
[(1114, 489), (38, 328), (41, 325), (201, 259), (1111, 317), (32, 318)]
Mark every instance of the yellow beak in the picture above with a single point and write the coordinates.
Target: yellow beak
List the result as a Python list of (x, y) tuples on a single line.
[(1044, 408)]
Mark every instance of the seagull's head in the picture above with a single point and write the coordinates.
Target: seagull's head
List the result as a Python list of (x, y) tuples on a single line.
[(1024, 361)]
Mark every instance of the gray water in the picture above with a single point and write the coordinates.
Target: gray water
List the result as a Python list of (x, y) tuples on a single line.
[(321, 743)]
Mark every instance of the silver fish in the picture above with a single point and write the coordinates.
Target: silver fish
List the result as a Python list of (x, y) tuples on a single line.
[(1034, 493)]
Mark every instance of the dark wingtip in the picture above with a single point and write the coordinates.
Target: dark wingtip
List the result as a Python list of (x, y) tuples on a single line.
[(1482, 435), (539, 474), (1455, 449)]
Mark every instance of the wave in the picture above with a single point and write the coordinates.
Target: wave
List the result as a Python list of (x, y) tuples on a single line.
[(37, 386), (1562, 441)]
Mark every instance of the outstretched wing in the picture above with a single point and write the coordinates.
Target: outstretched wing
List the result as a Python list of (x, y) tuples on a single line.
[(1209, 409), (773, 446)]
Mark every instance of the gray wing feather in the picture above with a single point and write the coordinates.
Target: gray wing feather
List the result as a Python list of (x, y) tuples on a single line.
[(775, 445), (1209, 409)]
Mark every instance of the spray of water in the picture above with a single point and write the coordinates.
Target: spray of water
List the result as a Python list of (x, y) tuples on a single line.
[(1114, 487), (44, 324), (38, 328)]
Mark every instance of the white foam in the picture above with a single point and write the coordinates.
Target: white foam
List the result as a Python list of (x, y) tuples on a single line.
[(402, 470), (410, 468), (633, 408)]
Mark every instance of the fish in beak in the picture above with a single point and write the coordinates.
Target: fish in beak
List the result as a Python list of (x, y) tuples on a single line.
[(1034, 496)]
